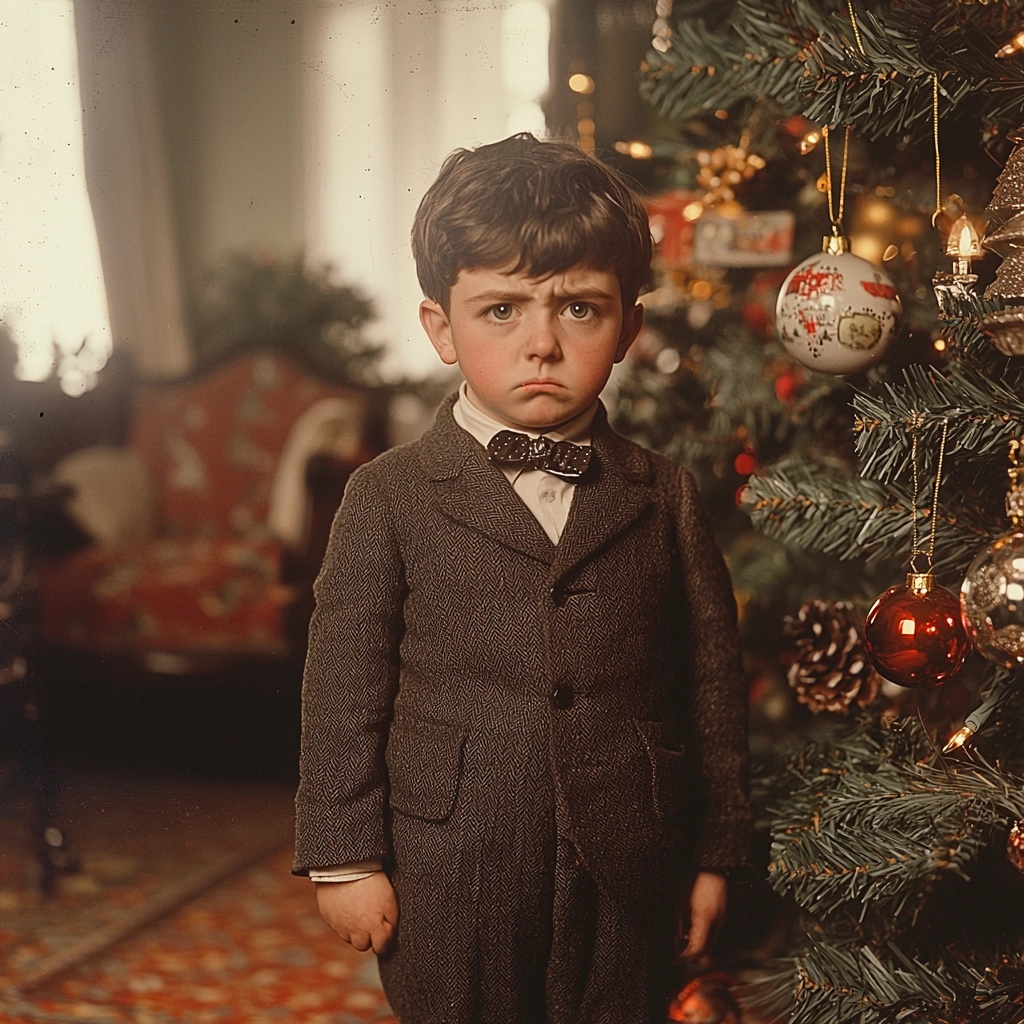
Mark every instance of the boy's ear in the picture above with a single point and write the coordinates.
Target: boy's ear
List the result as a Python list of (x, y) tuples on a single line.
[(632, 321), (439, 330)]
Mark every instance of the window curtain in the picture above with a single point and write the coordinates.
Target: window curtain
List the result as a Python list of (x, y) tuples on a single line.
[(389, 90), (129, 188), (52, 298)]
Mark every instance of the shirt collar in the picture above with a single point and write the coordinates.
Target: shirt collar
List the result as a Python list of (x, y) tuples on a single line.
[(483, 427)]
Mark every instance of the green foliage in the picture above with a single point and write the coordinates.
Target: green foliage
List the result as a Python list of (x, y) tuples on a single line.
[(872, 511), (883, 843), (890, 854), (864, 985), (810, 60), (249, 301), (722, 401), (877, 817)]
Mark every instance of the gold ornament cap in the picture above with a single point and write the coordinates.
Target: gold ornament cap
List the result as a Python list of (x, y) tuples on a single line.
[(920, 583), (835, 244)]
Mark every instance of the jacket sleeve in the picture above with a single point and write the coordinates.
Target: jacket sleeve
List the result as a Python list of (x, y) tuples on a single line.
[(716, 703), (349, 684)]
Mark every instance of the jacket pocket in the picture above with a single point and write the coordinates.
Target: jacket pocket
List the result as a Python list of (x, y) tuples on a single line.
[(669, 768), (425, 762)]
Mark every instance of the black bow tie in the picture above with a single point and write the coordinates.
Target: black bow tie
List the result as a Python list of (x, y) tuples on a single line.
[(560, 458)]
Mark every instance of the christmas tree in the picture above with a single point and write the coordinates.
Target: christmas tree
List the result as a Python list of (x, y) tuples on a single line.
[(894, 472)]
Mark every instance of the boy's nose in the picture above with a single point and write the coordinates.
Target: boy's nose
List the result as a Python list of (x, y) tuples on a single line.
[(543, 339)]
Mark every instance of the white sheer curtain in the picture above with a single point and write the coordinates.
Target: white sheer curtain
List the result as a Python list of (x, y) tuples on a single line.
[(52, 297), (129, 185), (90, 253), (390, 90)]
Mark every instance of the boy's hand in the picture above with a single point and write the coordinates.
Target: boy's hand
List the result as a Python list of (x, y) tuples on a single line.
[(703, 912), (364, 912)]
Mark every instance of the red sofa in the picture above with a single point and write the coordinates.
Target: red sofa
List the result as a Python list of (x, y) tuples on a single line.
[(205, 531)]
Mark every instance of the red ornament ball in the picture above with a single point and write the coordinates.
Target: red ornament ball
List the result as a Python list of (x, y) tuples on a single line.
[(913, 633), (1015, 846), (744, 463), (706, 999)]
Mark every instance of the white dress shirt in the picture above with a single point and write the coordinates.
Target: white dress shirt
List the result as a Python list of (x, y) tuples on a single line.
[(548, 497)]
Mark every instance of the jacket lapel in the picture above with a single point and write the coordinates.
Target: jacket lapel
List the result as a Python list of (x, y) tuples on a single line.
[(606, 506), (472, 491)]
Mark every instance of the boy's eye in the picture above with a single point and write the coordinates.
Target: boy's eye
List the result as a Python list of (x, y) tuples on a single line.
[(503, 311), (579, 310)]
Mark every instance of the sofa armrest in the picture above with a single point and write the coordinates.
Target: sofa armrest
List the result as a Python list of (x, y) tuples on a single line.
[(110, 493), (326, 477)]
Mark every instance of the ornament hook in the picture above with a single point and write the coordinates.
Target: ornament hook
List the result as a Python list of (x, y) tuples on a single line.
[(835, 213), (929, 549)]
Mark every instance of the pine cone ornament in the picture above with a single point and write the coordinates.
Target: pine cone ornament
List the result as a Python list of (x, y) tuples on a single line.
[(830, 671)]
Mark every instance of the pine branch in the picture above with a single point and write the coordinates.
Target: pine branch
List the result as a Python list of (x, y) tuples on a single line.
[(858, 985), (753, 53), (807, 57), (966, 341), (872, 984), (854, 984), (810, 507), (722, 400), (873, 821), (982, 415), (827, 509), (884, 834)]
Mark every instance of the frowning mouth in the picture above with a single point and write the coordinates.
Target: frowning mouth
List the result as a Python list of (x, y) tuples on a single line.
[(541, 383)]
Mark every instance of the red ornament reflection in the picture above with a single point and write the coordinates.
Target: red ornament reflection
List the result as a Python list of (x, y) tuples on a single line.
[(913, 633)]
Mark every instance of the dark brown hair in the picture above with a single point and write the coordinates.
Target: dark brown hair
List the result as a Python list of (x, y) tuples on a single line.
[(529, 205)]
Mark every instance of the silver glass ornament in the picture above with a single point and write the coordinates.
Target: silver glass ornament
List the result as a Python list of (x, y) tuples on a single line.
[(1005, 329), (992, 593), (992, 600)]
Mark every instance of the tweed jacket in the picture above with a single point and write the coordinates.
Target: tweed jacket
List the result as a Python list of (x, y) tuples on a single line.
[(455, 649)]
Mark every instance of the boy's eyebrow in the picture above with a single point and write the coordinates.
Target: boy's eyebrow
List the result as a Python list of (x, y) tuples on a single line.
[(504, 294)]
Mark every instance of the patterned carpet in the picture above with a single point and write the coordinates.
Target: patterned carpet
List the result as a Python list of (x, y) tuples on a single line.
[(184, 911), (252, 951)]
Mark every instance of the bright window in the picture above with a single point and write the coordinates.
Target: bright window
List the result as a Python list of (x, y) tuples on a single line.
[(52, 297)]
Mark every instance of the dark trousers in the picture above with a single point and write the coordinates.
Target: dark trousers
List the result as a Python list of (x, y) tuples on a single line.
[(539, 945)]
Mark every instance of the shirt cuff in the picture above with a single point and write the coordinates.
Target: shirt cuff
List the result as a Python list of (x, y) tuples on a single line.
[(350, 872)]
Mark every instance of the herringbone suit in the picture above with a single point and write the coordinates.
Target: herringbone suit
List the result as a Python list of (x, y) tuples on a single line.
[(478, 701)]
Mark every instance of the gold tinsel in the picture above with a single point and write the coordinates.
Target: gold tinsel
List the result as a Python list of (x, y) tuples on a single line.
[(723, 169)]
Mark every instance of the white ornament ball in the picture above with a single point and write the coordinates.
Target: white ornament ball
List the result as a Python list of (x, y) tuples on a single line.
[(992, 600), (837, 313)]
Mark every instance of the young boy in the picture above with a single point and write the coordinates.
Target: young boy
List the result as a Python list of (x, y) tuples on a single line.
[(524, 718)]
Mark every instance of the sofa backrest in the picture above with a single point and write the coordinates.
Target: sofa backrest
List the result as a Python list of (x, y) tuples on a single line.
[(213, 444)]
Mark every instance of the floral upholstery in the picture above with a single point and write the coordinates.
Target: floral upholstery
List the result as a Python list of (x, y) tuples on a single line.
[(213, 576)]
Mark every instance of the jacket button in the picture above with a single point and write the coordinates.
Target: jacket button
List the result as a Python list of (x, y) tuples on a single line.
[(558, 596), (563, 696)]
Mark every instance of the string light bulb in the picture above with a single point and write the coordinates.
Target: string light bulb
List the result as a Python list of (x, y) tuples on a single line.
[(963, 244), (584, 86), (810, 141), (1015, 45), (974, 721), (635, 149), (581, 83), (958, 739)]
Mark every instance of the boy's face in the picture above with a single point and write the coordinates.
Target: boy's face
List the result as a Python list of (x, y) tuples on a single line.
[(535, 352)]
